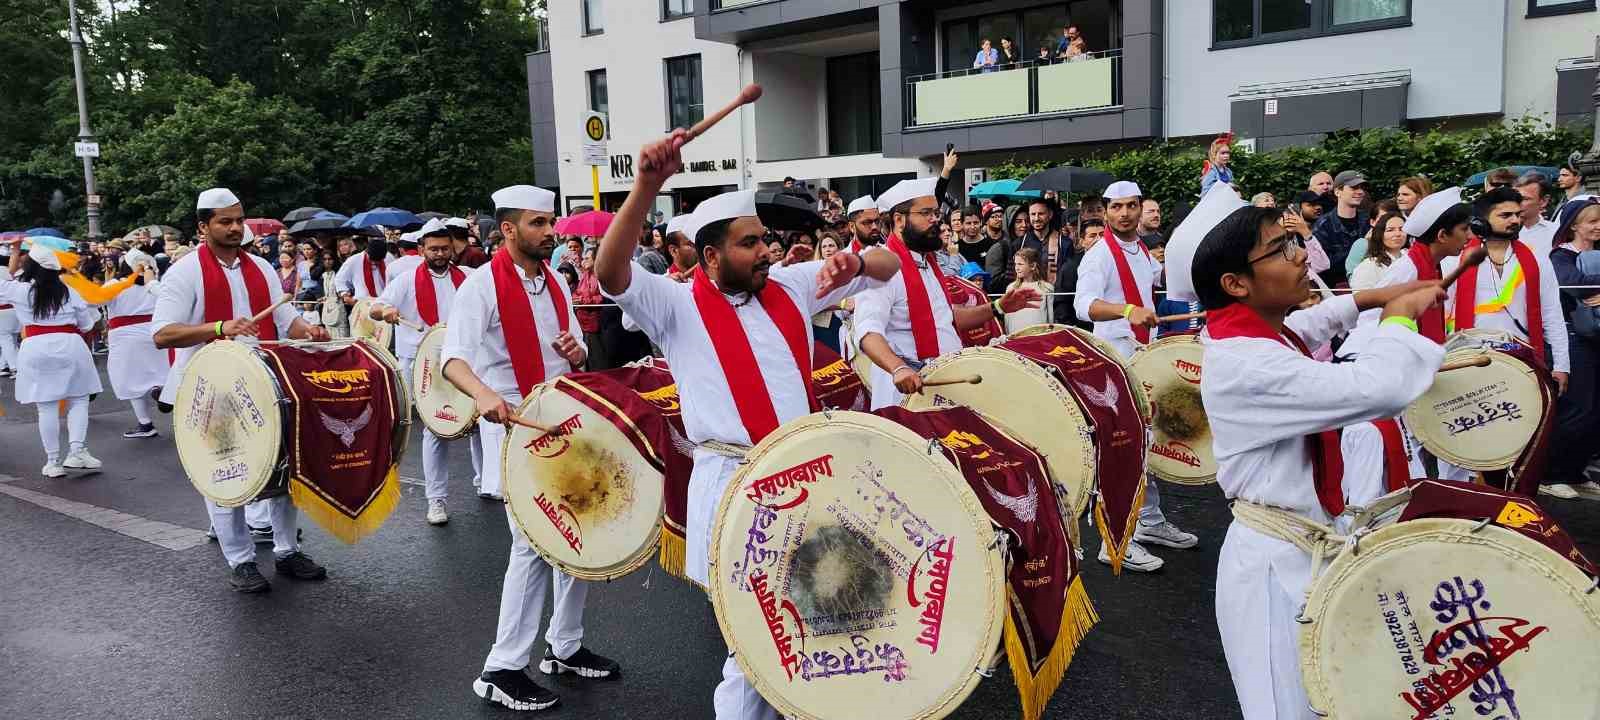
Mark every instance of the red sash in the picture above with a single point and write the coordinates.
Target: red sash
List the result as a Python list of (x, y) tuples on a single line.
[(1431, 324), (923, 330), (1467, 294), (1396, 466), (855, 247), (29, 331), (738, 359), (428, 299), (219, 296), (1130, 288), (1327, 461), (366, 274), (517, 327), (126, 320)]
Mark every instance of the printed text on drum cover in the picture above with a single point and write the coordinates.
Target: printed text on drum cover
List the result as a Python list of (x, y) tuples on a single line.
[(1457, 602)]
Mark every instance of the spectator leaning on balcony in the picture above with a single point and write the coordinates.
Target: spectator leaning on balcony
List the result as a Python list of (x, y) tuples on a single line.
[(988, 59), (1218, 159), (1009, 54), (1338, 230), (1070, 46)]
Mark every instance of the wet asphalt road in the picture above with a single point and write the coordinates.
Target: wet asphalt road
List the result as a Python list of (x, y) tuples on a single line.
[(95, 624)]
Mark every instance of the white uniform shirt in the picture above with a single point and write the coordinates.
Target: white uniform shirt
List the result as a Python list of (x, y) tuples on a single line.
[(182, 300), (1098, 280), (349, 278), (885, 311), (1540, 237), (476, 337), (399, 266), (1399, 272), (74, 311), (1490, 280), (401, 294), (136, 300)]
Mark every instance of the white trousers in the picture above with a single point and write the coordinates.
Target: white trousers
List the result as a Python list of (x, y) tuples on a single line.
[(1261, 582), (490, 437), (436, 452), (234, 536), (522, 595), (8, 339), (50, 426), (737, 699), (141, 409)]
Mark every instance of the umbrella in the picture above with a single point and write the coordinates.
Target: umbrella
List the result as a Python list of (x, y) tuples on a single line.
[(155, 231), (387, 216), (1002, 189), (48, 232), (304, 213), (1549, 174), (263, 226), (1067, 179), (431, 215), (321, 222), (586, 224)]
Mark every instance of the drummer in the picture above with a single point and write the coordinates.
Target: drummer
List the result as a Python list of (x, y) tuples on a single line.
[(680, 250), (910, 321), (863, 223), (737, 339), (135, 365), (364, 274), (422, 298), (214, 293), (410, 257), (1270, 406), (1116, 282), (509, 330)]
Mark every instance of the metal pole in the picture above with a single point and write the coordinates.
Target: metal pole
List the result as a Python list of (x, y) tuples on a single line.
[(84, 133), (1589, 165)]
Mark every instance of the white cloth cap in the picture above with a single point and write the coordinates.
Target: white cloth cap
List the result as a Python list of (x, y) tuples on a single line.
[(677, 223), (411, 238), (434, 226), (45, 256), (137, 257), (865, 202), (524, 197), (1220, 201), (457, 222), (1122, 189), (727, 206), (216, 199), (906, 190), (1427, 210)]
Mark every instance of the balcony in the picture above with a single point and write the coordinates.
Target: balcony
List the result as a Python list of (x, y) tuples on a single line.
[(1025, 90)]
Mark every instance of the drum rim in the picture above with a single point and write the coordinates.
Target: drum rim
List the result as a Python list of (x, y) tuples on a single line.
[(1425, 430), (1146, 351), (276, 422), (1313, 667), (994, 563), (402, 414), (416, 382), (635, 560)]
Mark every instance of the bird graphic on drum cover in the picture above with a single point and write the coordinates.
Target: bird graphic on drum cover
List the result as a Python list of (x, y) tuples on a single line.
[(1106, 398), (1024, 506), (346, 430)]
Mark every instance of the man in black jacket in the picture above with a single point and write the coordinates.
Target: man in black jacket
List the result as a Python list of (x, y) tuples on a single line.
[(1089, 233)]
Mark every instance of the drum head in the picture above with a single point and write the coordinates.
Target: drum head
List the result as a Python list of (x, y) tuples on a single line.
[(1169, 371), (444, 409), (227, 423), (586, 499), (1479, 418), (853, 572), (1429, 618), (363, 326), (1475, 338)]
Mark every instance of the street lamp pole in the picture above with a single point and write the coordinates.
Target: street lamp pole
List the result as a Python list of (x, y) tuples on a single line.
[(1589, 165), (84, 133)]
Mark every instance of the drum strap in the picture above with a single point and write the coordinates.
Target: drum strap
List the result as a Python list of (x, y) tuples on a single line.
[(1319, 541), (727, 450)]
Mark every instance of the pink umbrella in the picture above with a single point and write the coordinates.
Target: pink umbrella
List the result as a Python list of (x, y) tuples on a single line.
[(263, 226), (586, 224)]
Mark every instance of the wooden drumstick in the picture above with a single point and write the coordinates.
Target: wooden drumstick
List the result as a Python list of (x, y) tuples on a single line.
[(1471, 259), (1479, 361), (531, 425), (749, 94), (1181, 317), (414, 326), (969, 380), (264, 313)]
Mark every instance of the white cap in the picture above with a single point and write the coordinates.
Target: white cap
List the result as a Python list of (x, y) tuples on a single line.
[(1427, 210), (865, 202), (458, 222), (136, 257), (434, 226), (411, 238), (677, 223), (524, 197), (1122, 189), (727, 206), (216, 199), (906, 190), (45, 256)]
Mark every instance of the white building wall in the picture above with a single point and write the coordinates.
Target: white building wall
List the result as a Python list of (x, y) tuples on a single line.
[(1454, 50), (1533, 46), (791, 119)]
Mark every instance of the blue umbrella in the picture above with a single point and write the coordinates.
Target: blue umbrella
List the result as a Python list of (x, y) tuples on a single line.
[(1548, 172), (1002, 188), (51, 232), (385, 216)]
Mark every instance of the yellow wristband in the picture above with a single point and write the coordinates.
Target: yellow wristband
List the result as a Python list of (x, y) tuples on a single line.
[(219, 328), (1400, 321), (1127, 310)]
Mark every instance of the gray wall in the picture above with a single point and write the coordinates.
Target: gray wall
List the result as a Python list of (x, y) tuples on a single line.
[(1575, 96), (541, 109), (1304, 120)]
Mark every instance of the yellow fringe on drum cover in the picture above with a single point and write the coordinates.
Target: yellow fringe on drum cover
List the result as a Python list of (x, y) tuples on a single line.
[(673, 553), (1117, 550), (1078, 617), (336, 521)]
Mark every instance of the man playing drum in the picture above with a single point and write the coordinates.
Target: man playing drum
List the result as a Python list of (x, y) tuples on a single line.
[(364, 274), (864, 230), (422, 298), (214, 293), (1270, 406), (509, 330), (737, 338), (1116, 284), (910, 321)]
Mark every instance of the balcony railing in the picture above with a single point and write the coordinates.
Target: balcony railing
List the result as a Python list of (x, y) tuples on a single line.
[(1016, 90)]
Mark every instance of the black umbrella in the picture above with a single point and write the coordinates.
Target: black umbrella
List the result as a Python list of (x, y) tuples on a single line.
[(323, 221), (781, 210), (1067, 179), (298, 214), (431, 215)]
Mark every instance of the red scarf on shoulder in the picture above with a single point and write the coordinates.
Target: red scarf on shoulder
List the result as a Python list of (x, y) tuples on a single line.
[(428, 298), (366, 275), (521, 333), (219, 295), (918, 307), (738, 360), (1431, 324), (1130, 287), (1467, 294)]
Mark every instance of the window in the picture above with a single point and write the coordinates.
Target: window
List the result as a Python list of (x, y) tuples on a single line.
[(593, 21), (1247, 22), (599, 101), (674, 9), (685, 104), (855, 108), (1029, 30), (1544, 8)]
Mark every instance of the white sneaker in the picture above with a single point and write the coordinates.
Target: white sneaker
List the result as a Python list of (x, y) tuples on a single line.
[(1593, 467), (1137, 559), (81, 460), (436, 513), (1589, 490), (1559, 490), (1165, 533), (52, 470)]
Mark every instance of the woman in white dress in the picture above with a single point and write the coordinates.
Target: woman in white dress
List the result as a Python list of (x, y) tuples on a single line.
[(136, 366), (53, 362)]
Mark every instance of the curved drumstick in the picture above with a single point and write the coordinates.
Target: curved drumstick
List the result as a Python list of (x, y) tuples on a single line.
[(1471, 259), (749, 94), (1479, 361), (968, 380), (1180, 318), (264, 313)]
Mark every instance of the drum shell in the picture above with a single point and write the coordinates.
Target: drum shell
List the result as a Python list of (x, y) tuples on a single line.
[(251, 463), (437, 399)]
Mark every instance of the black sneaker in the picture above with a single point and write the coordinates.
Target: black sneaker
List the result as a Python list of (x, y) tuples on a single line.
[(7, 373), (300, 566), (165, 408), (147, 430), (583, 663), (513, 689), (247, 578), (261, 534)]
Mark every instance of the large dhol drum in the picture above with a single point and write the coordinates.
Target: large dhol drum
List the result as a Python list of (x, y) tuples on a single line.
[(363, 327), (1483, 418), (446, 411), (325, 422), (1169, 371), (854, 572)]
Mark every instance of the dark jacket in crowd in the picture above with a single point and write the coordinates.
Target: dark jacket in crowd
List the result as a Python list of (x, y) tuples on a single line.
[(1336, 238), (998, 260), (1068, 259)]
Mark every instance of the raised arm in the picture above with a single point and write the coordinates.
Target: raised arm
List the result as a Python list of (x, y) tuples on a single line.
[(658, 162)]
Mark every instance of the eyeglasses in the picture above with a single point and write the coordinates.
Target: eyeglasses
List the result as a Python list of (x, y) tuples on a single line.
[(1290, 248)]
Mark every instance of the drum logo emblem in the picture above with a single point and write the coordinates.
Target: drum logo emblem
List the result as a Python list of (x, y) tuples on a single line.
[(959, 440), (665, 398), (341, 382), (1517, 515), (830, 375), (346, 429), (1470, 649), (1060, 351), (427, 377), (943, 552), (546, 444), (1187, 370), (771, 609), (765, 491), (447, 414), (1174, 450), (563, 520)]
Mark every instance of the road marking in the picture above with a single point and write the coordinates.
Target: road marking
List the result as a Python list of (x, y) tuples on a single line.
[(412, 481), (155, 532)]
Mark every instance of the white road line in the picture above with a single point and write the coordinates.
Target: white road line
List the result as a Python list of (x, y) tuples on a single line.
[(412, 481), (155, 532)]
